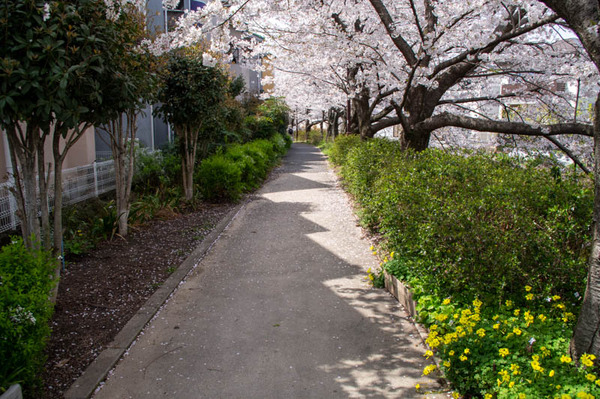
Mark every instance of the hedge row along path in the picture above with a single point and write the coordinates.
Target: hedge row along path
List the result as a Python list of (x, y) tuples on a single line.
[(280, 308)]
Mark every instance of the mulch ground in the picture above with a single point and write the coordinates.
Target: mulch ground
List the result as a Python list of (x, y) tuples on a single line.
[(101, 291)]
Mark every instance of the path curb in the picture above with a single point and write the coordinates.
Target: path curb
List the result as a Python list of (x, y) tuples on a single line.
[(97, 371)]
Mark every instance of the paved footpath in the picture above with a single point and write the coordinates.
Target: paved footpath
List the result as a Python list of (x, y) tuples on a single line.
[(279, 308)]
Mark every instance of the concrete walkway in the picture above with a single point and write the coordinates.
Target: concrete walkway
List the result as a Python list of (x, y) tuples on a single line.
[(280, 308)]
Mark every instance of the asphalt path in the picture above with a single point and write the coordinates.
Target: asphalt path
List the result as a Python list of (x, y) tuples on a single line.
[(280, 308)]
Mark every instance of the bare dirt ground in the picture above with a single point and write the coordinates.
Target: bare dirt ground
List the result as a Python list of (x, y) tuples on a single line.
[(101, 291)]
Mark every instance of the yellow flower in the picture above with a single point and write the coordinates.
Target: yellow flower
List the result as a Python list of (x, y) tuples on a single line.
[(477, 303), (590, 377), (447, 364), (467, 351), (587, 360), (496, 326), (515, 369), (529, 297), (451, 353), (481, 332), (542, 317), (504, 352), (446, 301), (556, 298), (441, 317), (427, 370), (418, 386), (517, 312), (522, 396), (566, 359), (551, 373), (455, 395), (568, 316), (428, 354), (527, 288), (463, 358), (488, 396), (371, 247), (565, 396), (392, 255), (517, 331), (505, 375), (509, 304), (545, 351)]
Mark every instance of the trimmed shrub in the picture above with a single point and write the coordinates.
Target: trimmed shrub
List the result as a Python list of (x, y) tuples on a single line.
[(288, 140), (267, 147), (25, 311), (240, 168), (219, 179), (341, 147), (473, 226), (280, 146), (261, 127), (315, 137), (250, 172)]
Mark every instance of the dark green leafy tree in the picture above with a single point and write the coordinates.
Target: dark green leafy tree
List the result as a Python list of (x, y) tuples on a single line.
[(54, 60), (192, 97), (130, 83)]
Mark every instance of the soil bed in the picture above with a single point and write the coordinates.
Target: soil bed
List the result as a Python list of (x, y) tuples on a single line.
[(101, 291)]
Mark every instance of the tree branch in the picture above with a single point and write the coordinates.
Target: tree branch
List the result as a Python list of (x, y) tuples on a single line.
[(492, 44), (398, 40), (569, 153), (446, 119), (477, 99)]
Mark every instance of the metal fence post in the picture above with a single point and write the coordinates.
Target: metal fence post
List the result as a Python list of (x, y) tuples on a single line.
[(94, 164)]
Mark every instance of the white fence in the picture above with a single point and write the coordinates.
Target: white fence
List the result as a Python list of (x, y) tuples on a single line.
[(79, 184)]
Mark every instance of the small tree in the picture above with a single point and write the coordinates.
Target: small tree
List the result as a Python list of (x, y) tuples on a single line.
[(54, 61), (131, 83), (192, 95)]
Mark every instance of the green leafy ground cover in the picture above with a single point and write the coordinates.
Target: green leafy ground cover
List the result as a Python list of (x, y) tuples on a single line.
[(495, 252), (25, 285)]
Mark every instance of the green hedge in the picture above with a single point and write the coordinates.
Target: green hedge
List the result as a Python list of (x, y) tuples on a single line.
[(495, 252), (25, 311), (239, 168), (471, 226)]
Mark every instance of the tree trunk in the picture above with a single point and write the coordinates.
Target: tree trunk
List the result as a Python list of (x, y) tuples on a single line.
[(58, 202), (187, 162), (23, 150), (43, 180), (415, 140), (362, 115), (122, 139), (586, 337)]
